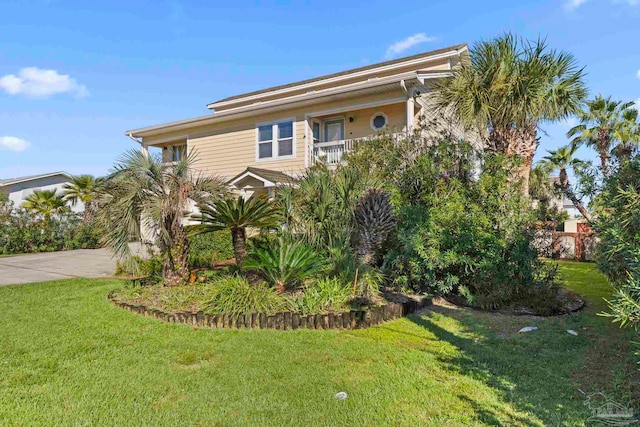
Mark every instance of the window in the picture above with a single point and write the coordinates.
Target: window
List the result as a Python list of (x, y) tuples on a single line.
[(178, 152), (275, 140), (265, 141), (379, 121), (316, 132), (285, 139)]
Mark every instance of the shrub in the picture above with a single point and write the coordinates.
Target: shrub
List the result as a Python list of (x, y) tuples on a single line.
[(205, 249), (22, 231), (321, 296), (234, 295), (137, 266), (285, 264)]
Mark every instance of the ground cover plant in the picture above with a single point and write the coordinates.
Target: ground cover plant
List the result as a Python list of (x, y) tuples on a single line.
[(68, 357)]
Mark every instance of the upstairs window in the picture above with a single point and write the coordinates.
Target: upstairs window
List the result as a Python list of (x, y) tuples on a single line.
[(275, 140)]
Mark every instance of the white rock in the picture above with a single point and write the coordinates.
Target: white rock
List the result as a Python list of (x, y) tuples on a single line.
[(342, 395), (528, 329), (572, 332)]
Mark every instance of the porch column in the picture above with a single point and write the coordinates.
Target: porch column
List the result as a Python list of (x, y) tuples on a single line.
[(410, 113), (145, 150)]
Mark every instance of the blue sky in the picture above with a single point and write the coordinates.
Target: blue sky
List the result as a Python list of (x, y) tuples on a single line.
[(74, 75)]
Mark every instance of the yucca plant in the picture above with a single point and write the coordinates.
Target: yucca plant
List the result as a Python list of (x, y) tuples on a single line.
[(236, 215), (375, 220), (285, 264)]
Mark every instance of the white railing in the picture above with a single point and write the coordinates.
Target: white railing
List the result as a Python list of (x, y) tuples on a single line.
[(331, 152)]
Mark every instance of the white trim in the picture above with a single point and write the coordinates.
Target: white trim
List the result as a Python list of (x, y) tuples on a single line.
[(361, 106), (306, 140), (33, 178), (275, 137), (252, 175), (453, 52), (429, 76), (386, 121)]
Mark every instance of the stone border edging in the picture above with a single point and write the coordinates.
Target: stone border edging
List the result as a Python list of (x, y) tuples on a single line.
[(356, 319)]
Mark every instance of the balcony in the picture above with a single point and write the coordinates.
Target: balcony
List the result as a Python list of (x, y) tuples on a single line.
[(332, 152)]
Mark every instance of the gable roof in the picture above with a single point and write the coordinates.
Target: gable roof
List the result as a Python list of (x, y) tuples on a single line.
[(271, 176), (17, 180), (342, 73)]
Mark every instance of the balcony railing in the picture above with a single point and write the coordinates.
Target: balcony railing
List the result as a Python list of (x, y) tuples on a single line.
[(331, 152)]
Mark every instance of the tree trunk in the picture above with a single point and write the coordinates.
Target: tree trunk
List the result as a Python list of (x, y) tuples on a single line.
[(603, 145), (566, 189), (239, 237), (175, 266), (521, 142)]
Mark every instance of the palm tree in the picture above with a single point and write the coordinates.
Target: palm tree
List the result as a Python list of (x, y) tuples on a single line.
[(628, 135), (145, 197), (83, 188), (601, 123), (508, 88), (45, 202), (562, 159), (236, 215)]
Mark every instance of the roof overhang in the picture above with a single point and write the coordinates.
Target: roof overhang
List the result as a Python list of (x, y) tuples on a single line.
[(333, 78), (12, 181), (375, 85)]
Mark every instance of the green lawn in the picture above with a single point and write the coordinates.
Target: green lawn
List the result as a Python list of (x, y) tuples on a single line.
[(69, 357)]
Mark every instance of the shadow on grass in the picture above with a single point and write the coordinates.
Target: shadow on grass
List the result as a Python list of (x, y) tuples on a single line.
[(531, 372)]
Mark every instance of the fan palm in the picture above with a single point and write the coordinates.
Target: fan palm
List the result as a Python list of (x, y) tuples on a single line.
[(83, 188), (508, 88), (602, 123), (563, 159), (236, 215), (146, 198), (628, 135), (45, 202)]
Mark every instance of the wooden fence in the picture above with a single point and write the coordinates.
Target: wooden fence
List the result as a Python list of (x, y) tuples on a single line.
[(356, 319)]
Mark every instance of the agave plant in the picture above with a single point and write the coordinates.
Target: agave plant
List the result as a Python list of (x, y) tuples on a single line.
[(285, 264), (375, 220)]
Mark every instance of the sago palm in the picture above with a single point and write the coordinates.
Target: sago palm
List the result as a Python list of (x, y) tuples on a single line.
[(45, 202), (602, 122), (236, 215), (508, 88), (146, 198), (563, 159), (83, 188)]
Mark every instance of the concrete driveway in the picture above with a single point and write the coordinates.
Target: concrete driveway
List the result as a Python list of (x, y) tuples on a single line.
[(58, 265)]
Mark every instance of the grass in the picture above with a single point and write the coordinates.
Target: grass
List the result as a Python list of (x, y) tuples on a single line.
[(69, 357)]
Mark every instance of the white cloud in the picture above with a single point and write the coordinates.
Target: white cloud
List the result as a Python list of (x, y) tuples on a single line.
[(36, 82), (402, 45), (12, 143), (637, 102), (574, 4), (638, 74)]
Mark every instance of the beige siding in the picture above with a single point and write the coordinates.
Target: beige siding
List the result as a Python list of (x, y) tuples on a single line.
[(227, 148)]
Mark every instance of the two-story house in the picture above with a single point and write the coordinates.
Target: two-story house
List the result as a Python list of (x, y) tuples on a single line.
[(260, 139)]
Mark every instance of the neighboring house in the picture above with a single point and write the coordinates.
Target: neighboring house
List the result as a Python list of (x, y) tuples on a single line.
[(564, 204), (18, 189), (261, 139)]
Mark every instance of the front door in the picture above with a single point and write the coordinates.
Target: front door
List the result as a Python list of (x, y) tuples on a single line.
[(334, 130)]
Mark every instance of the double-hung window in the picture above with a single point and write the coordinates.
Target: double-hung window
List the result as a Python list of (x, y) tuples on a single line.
[(275, 140), (178, 152)]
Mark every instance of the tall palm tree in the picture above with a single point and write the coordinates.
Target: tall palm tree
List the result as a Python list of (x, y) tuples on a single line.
[(628, 135), (601, 124), (508, 88), (144, 197), (236, 215), (45, 202), (83, 188), (563, 159)]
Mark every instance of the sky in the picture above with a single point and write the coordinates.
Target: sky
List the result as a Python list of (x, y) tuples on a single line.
[(74, 75)]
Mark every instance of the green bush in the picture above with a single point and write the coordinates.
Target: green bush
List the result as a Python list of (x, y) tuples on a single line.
[(235, 295), (461, 230), (618, 227), (321, 296), (204, 249), (22, 231), (284, 263)]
